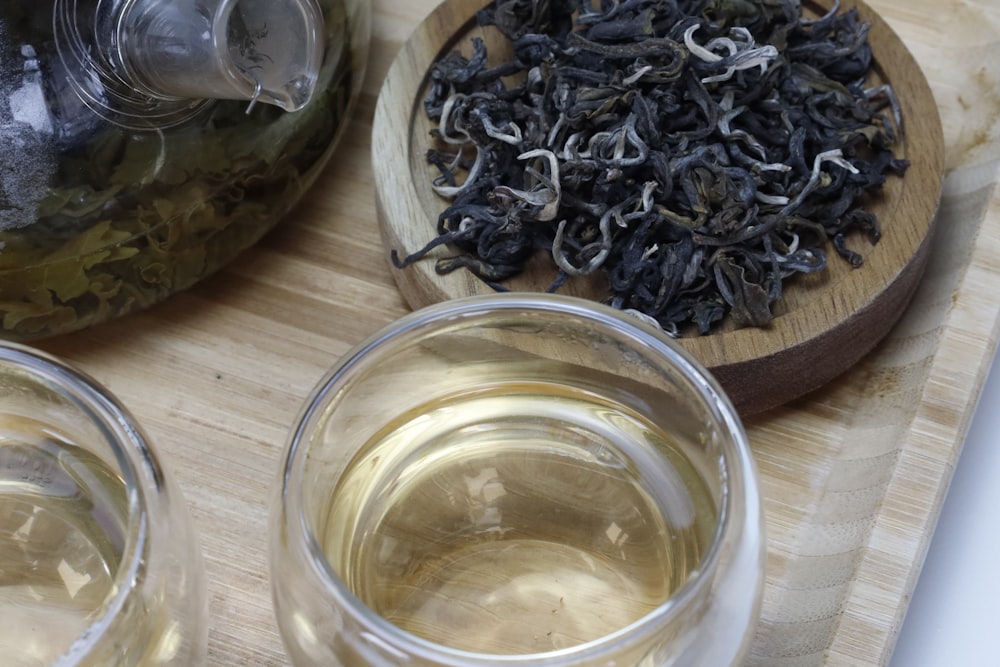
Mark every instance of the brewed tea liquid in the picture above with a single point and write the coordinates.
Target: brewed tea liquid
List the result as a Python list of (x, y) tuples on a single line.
[(62, 532), (519, 519)]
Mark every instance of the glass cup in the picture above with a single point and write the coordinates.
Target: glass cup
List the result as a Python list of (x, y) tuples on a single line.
[(99, 564), (519, 480)]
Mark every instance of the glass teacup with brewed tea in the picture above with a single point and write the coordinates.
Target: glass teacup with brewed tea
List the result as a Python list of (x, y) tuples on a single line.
[(99, 564), (517, 479)]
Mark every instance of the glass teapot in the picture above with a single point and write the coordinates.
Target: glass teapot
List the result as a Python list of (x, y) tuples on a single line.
[(145, 143)]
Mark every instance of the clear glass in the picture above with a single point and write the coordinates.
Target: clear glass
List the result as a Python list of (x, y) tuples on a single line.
[(517, 479), (261, 50), (120, 189), (99, 563)]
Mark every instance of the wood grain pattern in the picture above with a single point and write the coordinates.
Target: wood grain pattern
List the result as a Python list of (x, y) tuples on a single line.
[(823, 324), (853, 474)]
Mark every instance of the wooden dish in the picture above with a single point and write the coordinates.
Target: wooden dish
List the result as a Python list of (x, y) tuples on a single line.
[(824, 323)]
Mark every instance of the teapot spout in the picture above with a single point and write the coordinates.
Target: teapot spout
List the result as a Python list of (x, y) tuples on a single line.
[(266, 51)]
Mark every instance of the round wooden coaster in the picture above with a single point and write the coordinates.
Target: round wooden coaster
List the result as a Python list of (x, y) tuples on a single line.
[(824, 322)]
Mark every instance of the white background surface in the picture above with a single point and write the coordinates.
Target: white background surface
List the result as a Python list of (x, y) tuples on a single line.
[(954, 616)]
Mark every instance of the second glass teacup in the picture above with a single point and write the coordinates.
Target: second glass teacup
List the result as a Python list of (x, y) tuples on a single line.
[(520, 480), (99, 563)]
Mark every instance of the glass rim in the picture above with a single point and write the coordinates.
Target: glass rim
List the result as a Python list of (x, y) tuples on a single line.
[(136, 463), (736, 467)]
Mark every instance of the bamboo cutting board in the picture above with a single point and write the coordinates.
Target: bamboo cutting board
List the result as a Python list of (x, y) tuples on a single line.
[(853, 474)]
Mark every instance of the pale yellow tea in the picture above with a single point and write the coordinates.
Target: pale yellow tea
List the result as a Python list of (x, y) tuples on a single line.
[(63, 515), (519, 518)]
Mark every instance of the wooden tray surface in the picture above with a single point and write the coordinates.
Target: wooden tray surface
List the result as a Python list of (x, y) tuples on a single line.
[(853, 475)]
